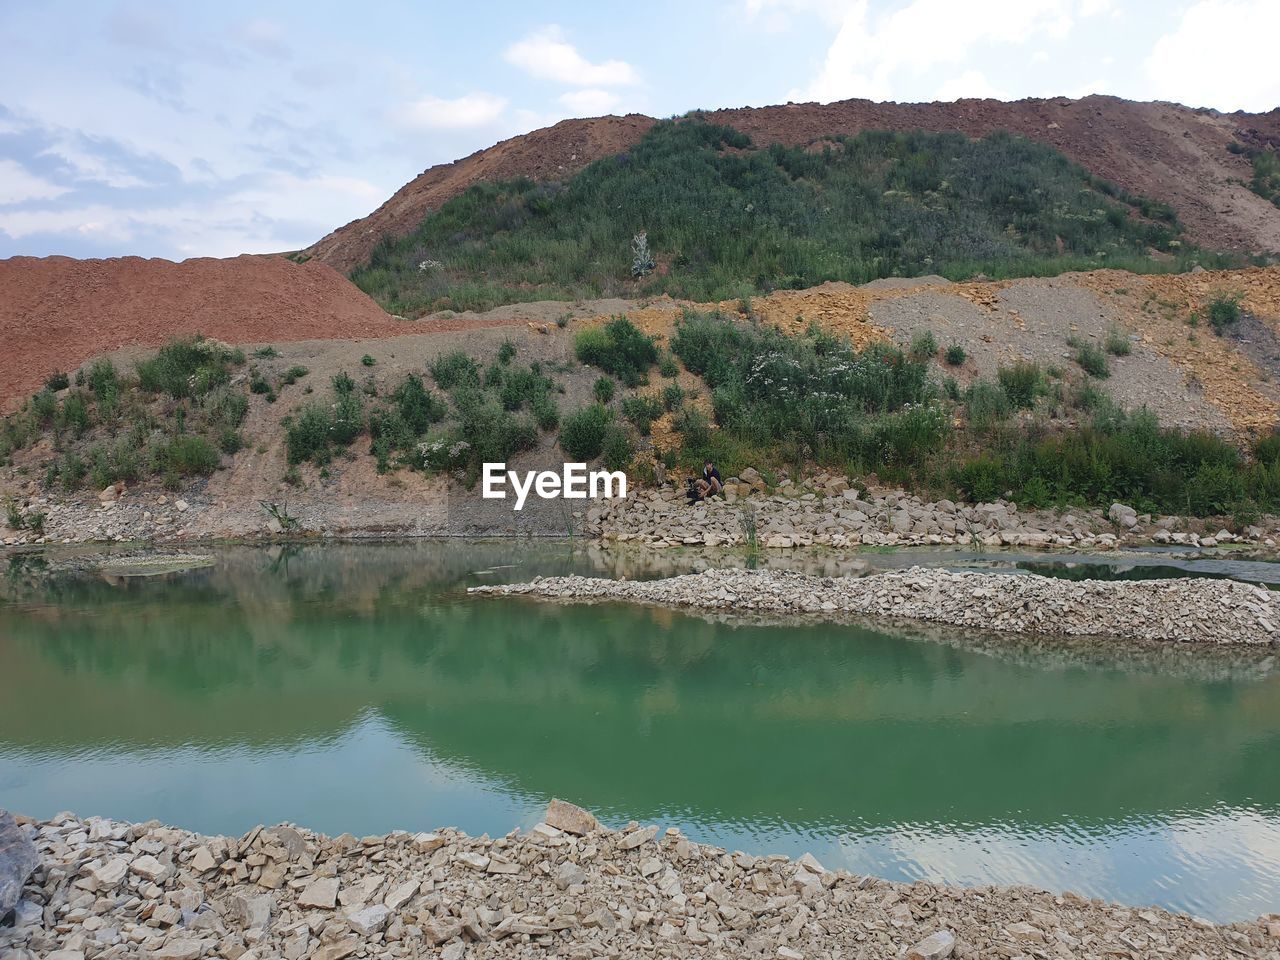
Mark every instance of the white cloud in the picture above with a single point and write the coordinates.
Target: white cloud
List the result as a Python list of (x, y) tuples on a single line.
[(590, 102), (460, 113), (547, 55), (1221, 54), (90, 166), (889, 56), (971, 83), (18, 184)]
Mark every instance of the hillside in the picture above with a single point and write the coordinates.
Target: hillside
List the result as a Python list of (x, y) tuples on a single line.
[(1167, 152), (56, 312), (725, 218)]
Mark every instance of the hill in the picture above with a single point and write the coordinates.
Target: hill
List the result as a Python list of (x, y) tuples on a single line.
[(726, 218), (56, 312), (1173, 154)]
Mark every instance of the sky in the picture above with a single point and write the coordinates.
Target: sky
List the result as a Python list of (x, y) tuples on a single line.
[(135, 127)]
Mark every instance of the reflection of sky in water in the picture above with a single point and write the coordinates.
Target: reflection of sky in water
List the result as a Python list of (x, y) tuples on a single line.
[(1223, 863)]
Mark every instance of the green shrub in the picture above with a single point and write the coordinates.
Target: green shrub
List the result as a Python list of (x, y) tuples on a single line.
[(455, 369), (104, 381), (924, 345), (642, 410), (343, 384), (1118, 344), (44, 407), (74, 414), (506, 352), (986, 404), (617, 348), (1224, 313), (367, 361), (266, 353), (224, 407), (258, 383), (348, 419), (617, 448), (668, 367), (294, 374), (1022, 382), (582, 432), (186, 455), (492, 434), (417, 407), (187, 367), (603, 389), (545, 412), (57, 381), (1093, 360), (672, 397), (307, 435), (956, 355), (694, 428)]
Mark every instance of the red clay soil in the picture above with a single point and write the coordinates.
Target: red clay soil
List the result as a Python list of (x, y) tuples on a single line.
[(551, 153), (56, 312), (1160, 150)]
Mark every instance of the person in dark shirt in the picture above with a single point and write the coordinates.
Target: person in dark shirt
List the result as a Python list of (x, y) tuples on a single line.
[(709, 484)]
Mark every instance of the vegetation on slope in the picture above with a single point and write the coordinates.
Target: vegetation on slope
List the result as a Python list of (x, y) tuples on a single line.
[(174, 417), (816, 399), (1266, 171), (697, 211)]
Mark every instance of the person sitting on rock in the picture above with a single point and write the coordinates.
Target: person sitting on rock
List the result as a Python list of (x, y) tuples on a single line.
[(709, 484)]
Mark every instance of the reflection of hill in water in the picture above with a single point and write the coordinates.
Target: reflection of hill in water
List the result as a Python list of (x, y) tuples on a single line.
[(641, 710)]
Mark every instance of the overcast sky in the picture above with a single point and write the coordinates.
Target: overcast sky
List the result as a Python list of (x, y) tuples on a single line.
[(181, 129)]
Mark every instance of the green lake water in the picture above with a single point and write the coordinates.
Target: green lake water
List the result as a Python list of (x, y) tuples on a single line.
[(358, 688)]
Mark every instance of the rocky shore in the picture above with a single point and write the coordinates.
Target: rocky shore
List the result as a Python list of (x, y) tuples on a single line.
[(1187, 610), (568, 887), (826, 511), (823, 511)]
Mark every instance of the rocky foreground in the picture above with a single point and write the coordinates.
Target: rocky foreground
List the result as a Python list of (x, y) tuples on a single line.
[(1188, 610), (825, 511), (567, 888)]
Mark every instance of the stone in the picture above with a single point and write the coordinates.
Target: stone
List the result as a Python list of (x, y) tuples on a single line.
[(338, 950), (454, 951), (569, 874), (149, 868), (637, 837), (321, 892), (477, 861), (253, 912), (181, 506), (65, 955), (202, 860), (570, 818), (18, 860), (399, 895), (428, 842), (936, 946), (180, 949), (369, 920)]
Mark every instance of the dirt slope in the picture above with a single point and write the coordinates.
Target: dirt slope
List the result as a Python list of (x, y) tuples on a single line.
[(56, 312), (1161, 150), (546, 154)]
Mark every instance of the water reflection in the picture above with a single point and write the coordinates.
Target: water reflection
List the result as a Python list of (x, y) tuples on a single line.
[(358, 689)]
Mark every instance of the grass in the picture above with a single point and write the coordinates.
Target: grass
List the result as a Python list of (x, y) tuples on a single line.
[(727, 219), (1118, 343), (1093, 360), (1224, 313), (582, 434), (617, 348)]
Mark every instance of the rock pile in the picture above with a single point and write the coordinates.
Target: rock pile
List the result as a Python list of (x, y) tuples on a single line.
[(827, 512), (108, 890), (1201, 611)]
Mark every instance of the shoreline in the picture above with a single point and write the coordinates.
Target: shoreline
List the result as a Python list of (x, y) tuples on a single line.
[(1198, 611), (568, 887)]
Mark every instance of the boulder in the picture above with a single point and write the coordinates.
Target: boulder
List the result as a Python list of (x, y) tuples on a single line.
[(936, 946), (570, 818), (18, 860)]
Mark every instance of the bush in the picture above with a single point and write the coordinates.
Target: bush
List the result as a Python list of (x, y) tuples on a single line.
[(617, 448), (506, 352), (603, 389), (57, 381), (694, 427), (1118, 344), (306, 435), (642, 410), (418, 408), (455, 369), (672, 397), (956, 355), (924, 346), (343, 384), (44, 407), (187, 455), (1093, 361), (986, 404), (294, 374), (1224, 313), (74, 414), (188, 367), (668, 367), (348, 419), (367, 361), (582, 433), (617, 348), (491, 433), (545, 412), (1022, 382)]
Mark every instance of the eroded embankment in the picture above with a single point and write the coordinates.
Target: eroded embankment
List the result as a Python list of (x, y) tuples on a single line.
[(1200, 611), (569, 888)]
